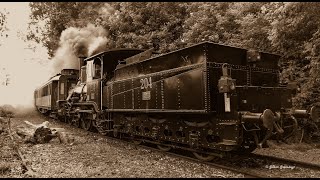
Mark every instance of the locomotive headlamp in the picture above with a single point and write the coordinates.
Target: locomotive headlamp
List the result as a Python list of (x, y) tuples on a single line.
[(226, 83)]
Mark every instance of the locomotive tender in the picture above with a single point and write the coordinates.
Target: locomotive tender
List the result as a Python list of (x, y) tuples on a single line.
[(210, 99)]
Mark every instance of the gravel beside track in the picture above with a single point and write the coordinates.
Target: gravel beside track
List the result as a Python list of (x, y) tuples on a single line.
[(93, 155)]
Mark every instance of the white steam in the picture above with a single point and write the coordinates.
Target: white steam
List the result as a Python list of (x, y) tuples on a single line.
[(78, 42), (97, 45)]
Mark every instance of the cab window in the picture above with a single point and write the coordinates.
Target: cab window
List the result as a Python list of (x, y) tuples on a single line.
[(89, 70), (93, 69), (97, 69)]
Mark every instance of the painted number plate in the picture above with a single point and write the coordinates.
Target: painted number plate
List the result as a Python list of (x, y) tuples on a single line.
[(146, 95)]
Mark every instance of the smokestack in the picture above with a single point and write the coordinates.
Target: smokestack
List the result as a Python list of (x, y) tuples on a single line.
[(81, 61)]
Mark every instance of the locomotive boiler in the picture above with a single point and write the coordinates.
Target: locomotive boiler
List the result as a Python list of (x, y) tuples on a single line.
[(210, 99)]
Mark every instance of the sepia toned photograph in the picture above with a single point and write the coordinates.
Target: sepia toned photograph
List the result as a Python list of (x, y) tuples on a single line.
[(159, 90)]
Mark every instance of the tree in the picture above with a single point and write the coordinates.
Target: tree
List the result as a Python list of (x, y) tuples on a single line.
[(3, 23), (254, 27), (7, 111), (287, 28), (4, 77), (294, 34), (56, 17), (135, 24), (209, 21)]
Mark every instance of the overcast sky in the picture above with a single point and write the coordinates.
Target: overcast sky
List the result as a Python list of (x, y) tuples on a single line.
[(23, 64)]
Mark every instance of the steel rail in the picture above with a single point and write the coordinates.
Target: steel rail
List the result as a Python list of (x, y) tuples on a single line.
[(246, 173), (286, 161)]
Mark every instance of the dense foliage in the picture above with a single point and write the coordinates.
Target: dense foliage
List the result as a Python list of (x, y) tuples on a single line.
[(287, 28)]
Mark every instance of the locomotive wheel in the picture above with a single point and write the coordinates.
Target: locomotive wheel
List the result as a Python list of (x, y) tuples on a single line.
[(74, 121), (61, 118), (69, 120), (290, 127), (248, 145), (115, 133), (164, 147), (86, 124), (203, 157)]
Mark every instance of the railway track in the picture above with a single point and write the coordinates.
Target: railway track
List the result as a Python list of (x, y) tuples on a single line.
[(224, 163), (219, 163), (271, 166), (287, 161), (246, 173)]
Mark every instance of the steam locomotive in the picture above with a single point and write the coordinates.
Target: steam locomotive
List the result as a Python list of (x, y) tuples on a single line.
[(210, 99)]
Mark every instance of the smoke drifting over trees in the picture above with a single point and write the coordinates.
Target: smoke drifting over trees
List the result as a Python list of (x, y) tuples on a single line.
[(287, 28), (76, 42)]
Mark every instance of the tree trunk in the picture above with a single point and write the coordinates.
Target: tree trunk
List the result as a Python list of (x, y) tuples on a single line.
[(40, 133), (3, 124)]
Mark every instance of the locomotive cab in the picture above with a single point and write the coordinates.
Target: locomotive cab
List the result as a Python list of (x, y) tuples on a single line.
[(100, 69), (93, 69)]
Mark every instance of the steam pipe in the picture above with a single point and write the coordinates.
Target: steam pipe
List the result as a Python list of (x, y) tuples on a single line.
[(300, 113), (251, 117), (267, 118), (313, 113)]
